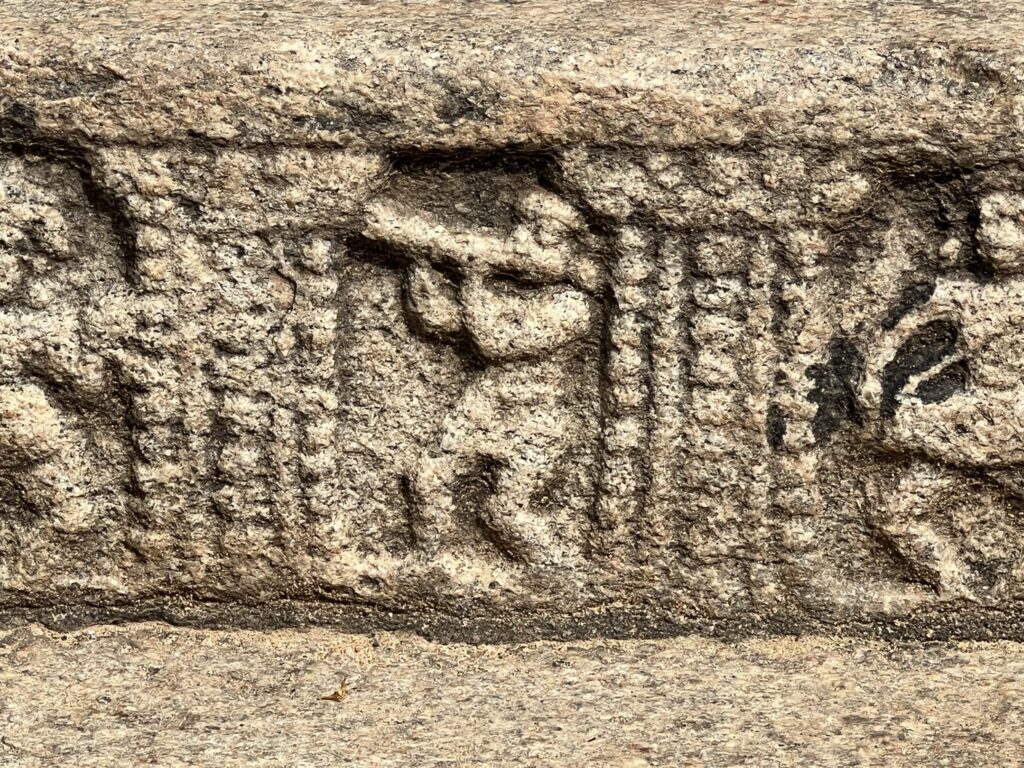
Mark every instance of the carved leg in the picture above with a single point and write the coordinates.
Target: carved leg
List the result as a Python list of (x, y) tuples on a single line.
[(431, 487), (40, 456), (527, 448), (434, 480), (508, 514), (927, 551)]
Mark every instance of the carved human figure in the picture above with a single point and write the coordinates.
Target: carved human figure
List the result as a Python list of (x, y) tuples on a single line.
[(47, 376), (946, 382), (520, 304)]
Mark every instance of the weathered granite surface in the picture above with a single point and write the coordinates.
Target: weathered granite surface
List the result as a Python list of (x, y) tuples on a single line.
[(150, 694), (495, 319)]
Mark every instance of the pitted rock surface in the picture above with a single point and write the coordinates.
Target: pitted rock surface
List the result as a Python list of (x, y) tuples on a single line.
[(493, 320)]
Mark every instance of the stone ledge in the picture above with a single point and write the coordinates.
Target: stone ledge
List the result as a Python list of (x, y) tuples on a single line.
[(444, 74), (158, 695)]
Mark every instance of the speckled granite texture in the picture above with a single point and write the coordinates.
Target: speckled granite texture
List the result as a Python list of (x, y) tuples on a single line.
[(154, 695), (503, 320)]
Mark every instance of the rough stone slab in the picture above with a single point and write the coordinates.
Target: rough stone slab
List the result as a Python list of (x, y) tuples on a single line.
[(496, 319), (150, 694)]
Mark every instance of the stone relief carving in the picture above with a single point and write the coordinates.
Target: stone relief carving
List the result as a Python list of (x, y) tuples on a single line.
[(518, 301), (943, 381), (61, 430), (460, 375)]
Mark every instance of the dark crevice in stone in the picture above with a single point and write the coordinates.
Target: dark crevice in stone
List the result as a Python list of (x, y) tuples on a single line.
[(775, 427), (834, 389), (913, 296), (952, 379), (929, 346)]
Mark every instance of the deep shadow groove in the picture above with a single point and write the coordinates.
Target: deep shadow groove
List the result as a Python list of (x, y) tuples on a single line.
[(541, 163), (604, 397), (929, 346), (982, 271), (912, 297), (405, 489), (604, 620), (834, 389), (645, 480), (911, 571), (513, 159), (112, 208)]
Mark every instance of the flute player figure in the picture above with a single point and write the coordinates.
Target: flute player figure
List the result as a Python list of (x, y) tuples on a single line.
[(521, 304)]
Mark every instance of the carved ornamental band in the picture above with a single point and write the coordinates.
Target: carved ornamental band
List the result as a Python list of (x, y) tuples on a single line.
[(654, 342)]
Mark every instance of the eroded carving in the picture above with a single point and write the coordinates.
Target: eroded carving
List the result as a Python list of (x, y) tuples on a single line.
[(61, 432), (517, 299), (920, 390), (753, 381), (944, 381)]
